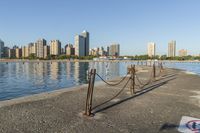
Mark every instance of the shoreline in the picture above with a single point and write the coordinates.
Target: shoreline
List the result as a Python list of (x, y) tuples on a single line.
[(77, 60)]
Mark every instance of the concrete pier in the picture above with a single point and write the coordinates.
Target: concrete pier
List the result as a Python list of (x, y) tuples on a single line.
[(158, 107)]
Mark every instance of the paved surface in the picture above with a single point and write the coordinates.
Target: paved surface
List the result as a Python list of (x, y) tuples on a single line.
[(157, 108)]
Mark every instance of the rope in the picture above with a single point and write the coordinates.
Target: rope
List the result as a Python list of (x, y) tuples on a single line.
[(110, 83), (114, 95)]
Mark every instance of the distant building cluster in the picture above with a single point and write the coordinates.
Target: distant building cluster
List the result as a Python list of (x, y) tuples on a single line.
[(41, 49), (151, 50), (112, 50), (182, 53)]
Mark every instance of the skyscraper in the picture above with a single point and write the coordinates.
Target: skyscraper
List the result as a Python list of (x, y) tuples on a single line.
[(1, 48), (108, 49), (172, 49), (55, 47), (79, 45), (46, 51), (86, 36), (18, 53), (40, 47), (114, 50), (151, 50), (25, 51), (82, 45)]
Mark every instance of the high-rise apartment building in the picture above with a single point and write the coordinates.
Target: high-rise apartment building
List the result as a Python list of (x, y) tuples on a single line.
[(25, 51), (172, 49), (32, 48), (46, 51), (5, 52), (151, 50), (82, 44), (107, 52), (114, 50), (55, 47), (86, 36), (11, 53), (70, 50), (79, 45), (182, 53), (18, 53), (40, 48), (1, 48)]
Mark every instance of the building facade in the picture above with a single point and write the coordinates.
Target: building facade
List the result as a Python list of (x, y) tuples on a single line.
[(25, 51), (79, 45), (40, 48), (1, 48), (70, 50), (55, 47), (182, 53), (114, 50), (11, 53), (151, 50), (172, 49), (18, 53), (46, 51), (82, 44), (86, 36)]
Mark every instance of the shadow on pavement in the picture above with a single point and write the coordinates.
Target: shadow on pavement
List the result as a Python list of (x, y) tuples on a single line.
[(138, 93)]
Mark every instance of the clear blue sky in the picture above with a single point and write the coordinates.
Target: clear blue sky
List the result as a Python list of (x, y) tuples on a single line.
[(132, 23)]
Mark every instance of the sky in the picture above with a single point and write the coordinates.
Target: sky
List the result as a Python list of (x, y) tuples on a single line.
[(131, 23)]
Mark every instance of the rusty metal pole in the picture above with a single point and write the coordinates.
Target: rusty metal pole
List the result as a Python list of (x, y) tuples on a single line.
[(88, 109), (154, 71), (92, 88), (132, 86), (88, 93)]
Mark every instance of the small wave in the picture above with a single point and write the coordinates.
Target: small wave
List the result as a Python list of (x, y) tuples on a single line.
[(190, 73)]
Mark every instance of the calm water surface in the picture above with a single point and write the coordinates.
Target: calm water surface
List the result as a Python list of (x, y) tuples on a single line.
[(18, 79)]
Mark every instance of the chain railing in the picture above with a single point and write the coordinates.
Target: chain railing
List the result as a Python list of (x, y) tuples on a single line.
[(133, 78)]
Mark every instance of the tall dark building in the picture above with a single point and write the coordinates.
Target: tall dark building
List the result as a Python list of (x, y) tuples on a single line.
[(86, 36), (1, 48)]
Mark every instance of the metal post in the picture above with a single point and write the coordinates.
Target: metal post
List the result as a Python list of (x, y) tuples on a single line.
[(132, 86), (154, 71), (88, 108), (161, 67)]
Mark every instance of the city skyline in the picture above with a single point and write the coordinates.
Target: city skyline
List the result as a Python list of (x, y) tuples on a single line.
[(55, 46), (129, 23)]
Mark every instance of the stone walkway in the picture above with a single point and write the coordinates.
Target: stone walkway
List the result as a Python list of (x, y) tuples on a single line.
[(159, 107)]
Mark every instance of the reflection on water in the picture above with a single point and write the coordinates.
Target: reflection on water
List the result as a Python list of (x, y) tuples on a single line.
[(20, 79)]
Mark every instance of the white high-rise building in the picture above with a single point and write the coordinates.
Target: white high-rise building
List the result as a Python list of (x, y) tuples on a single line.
[(1, 48), (55, 47), (79, 45), (172, 49), (40, 48), (151, 50)]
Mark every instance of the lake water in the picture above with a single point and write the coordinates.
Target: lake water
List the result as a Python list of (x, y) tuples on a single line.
[(21, 79)]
